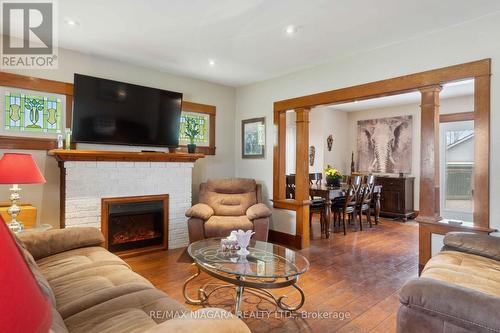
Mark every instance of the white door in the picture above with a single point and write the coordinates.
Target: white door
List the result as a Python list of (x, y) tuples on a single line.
[(457, 170)]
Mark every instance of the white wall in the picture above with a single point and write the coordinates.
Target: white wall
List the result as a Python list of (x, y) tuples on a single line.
[(470, 41), (316, 138), (46, 197)]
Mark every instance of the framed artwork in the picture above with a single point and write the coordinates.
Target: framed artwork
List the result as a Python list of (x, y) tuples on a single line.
[(253, 136), (385, 145)]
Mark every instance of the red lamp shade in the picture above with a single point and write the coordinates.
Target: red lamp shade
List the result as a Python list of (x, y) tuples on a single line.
[(19, 169), (23, 306)]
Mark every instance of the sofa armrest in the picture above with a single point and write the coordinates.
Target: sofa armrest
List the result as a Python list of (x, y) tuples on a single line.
[(479, 244), (461, 306), (258, 211), (201, 211), (46, 243), (207, 320)]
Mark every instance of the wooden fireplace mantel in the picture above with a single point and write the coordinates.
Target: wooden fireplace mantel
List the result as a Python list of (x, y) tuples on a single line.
[(63, 155)]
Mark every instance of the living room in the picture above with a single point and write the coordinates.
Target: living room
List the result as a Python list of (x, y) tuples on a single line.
[(205, 53)]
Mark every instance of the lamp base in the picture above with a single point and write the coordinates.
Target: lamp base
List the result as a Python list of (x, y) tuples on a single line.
[(14, 209), (16, 226)]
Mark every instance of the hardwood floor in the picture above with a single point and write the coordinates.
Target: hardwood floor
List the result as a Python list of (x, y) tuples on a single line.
[(354, 280)]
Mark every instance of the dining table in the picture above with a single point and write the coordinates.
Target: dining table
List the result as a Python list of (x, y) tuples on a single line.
[(329, 193)]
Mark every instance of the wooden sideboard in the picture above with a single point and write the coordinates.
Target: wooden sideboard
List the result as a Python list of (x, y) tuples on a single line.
[(396, 199)]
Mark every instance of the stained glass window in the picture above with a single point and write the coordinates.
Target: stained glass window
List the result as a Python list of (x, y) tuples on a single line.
[(32, 113), (202, 120)]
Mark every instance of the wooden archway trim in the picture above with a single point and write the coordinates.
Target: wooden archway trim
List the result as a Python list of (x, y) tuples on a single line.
[(479, 70), (388, 87)]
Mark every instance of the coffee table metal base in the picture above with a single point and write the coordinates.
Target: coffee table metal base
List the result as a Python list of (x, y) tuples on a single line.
[(253, 286)]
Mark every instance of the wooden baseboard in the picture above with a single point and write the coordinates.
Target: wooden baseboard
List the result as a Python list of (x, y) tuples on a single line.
[(293, 241)]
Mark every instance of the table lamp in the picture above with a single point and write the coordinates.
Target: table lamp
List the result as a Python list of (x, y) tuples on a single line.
[(18, 169)]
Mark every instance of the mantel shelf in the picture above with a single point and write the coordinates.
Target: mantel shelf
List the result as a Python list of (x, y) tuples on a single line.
[(63, 155)]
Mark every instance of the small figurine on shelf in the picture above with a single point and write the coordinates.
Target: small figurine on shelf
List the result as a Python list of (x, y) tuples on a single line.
[(60, 141)]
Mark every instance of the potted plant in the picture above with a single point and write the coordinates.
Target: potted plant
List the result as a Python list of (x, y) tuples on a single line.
[(192, 129), (333, 176)]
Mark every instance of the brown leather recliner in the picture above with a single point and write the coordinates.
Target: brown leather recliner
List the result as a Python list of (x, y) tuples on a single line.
[(226, 205)]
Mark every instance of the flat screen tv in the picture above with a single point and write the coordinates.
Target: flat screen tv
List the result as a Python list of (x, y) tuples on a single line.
[(111, 112)]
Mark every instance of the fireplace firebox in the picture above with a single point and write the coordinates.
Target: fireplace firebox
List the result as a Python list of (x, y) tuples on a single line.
[(135, 225)]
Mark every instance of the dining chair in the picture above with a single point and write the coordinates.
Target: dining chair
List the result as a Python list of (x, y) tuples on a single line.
[(290, 187), (317, 203), (365, 199), (345, 207)]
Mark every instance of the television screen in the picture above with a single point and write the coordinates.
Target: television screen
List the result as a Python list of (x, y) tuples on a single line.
[(112, 112)]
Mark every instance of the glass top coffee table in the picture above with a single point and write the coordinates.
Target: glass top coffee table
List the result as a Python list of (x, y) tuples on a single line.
[(267, 266)]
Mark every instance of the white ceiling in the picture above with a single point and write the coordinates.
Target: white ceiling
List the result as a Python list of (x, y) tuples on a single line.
[(246, 38), (450, 90)]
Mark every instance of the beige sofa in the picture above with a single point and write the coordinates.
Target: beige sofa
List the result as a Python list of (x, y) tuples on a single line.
[(226, 205), (93, 290), (458, 291)]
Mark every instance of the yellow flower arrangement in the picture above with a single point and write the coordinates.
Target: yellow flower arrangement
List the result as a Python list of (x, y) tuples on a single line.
[(332, 172)]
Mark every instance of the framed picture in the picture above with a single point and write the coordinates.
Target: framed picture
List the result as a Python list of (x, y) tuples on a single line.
[(253, 136)]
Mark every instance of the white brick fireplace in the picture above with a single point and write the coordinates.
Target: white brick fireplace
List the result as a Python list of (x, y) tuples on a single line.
[(86, 182)]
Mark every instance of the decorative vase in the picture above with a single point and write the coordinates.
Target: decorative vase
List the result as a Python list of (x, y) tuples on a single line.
[(243, 238), (332, 181), (191, 148)]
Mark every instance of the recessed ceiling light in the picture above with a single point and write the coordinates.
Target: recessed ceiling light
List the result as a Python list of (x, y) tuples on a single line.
[(291, 29), (71, 22), (211, 62)]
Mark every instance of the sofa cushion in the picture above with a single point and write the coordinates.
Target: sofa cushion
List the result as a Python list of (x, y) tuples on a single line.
[(76, 260), (466, 270), (40, 279), (86, 288), (49, 242), (221, 226), (58, 325), (134, 312)]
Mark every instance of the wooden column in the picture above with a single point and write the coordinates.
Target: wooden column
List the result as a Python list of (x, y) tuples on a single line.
[(302, 174), (429, 154), (279, 163), (481, 151)]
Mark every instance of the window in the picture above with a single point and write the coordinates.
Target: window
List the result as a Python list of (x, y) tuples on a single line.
[(203, 122), (204, 116), (457, 170), (32, 113)]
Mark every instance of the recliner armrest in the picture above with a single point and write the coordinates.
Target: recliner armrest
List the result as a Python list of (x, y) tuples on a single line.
[(258, 211), (207, 320), (201, 211), (46, 243), (474, 310), (478, 244)]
